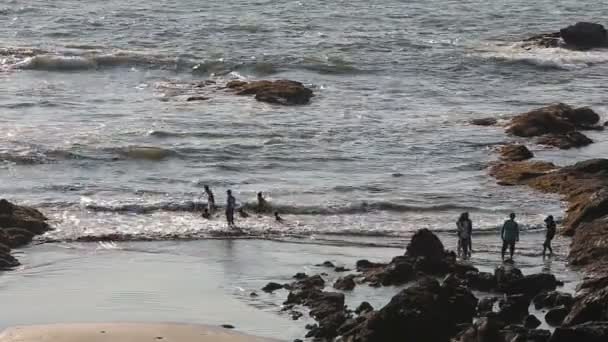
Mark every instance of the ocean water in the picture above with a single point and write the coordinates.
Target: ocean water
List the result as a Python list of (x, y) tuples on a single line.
[(97, 132)]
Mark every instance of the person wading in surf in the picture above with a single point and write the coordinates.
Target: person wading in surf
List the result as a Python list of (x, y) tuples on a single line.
[(509, 235), (465, 232), (210, 199), (262, 204), (551, 228), (230, 207), (277, 217)]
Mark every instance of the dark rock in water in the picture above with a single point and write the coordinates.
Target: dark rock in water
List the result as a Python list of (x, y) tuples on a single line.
[(531, 322), (546, 40), (515, 153), (566, 141), (345, 283), (424, 312), (426, 244), (197, 98), (484, 122), (592, 306), (552, 299), (514, 308), (296, 315), (7, 261), (17, 237), (485, 329), (486, 305), (585, 35), (364, 307), (554, 119), (506, 275), (283, 92), (482, 281), (364, 265), (341, 269), (227, 326), (514, 333), (253, 294), (271, 287), (587, 332), (16, 216), (555, 317), (531, 285), (327, 264), (300, 276)]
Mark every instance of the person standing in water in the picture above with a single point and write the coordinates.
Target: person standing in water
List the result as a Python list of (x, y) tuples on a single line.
[(210, 199), (465, 232), (509, 235), (262, 203), (551, 228), (230, 207), (277, 217)]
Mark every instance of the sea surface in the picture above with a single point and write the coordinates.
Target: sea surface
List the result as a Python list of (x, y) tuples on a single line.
[(97, 133)]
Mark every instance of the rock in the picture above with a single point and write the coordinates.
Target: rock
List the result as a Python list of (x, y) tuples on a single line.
[(424, 312), (484, 122), (513, 309), (396, 273), (587, 332), (253, 294), (481, 281), (271, 287), (485, 329), (296, 315), (426, 244), (341, 269), (584, 35), (566, 141), (300, 276), (515, 153), (554, 119), (531, 322), (517, 173), (515, 333), (345, 283), (312, 282), (486, 305), (227, 326), (546, 40), (364, 265), (16, 216), (591, 306), (7, 261), (364, 307), (283, 92), (17, 237), (197, 98), (506, 275), (530, 285), (327, 264), (555, 317), (552, 299)]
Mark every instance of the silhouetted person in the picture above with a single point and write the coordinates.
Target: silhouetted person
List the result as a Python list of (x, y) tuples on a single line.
[(210, 199), (262, 203), (243, 213), (551, 228), (277, 217), (230, 207), (206, 213), (465, 232), (510, 235)]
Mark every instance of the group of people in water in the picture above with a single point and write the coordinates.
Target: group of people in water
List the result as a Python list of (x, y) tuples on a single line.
[(509, 235), (231, 207)]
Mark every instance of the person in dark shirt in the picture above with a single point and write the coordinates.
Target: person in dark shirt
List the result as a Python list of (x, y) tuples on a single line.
[(278, 218), (262, 204), (210, 199), (510, 236), (551, 227), (230, 208)]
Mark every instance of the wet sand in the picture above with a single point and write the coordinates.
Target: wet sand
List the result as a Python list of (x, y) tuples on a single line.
[(123, 332)]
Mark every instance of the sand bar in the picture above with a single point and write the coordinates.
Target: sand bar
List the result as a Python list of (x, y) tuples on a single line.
[(124, 332)]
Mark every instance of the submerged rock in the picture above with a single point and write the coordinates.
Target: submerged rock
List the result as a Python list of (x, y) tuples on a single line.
[(515, 153), (554, 119), (271, 287), (27, 218), (484, 122), (283, 92)]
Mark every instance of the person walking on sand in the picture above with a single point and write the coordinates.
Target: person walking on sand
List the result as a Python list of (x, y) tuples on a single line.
[(551, 228), (210, 199), (465, 232), (230, 207), (509, 235)]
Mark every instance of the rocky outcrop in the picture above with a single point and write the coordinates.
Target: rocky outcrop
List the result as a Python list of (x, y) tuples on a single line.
[(18, 226), (555, 317), (584, 35), (515, 153), (426, 311), (552, 299), (283, 92), (587, 332), (566, 141), (484, 122), (346, 283), (554, 119)]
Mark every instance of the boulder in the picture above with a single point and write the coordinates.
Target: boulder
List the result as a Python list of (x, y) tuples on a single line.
[(17, 237), (327, 264), (513, 309), (555, 317), (346, 283), (426, 244), (271, 287), (545, 40), (7, 261), (515, 153), (485, 329), (554, 119), (16, 216), (587, 332), (584, 35), (552, 299), (481, 281), (300, 276), (364, 265), (516, 333), (506, 275), (486, 305), (283, 92), (530, 285), (484, 122), (566, 141), (523, 172), (364, 307), (424, 312), (591, 306), (531, 322)]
